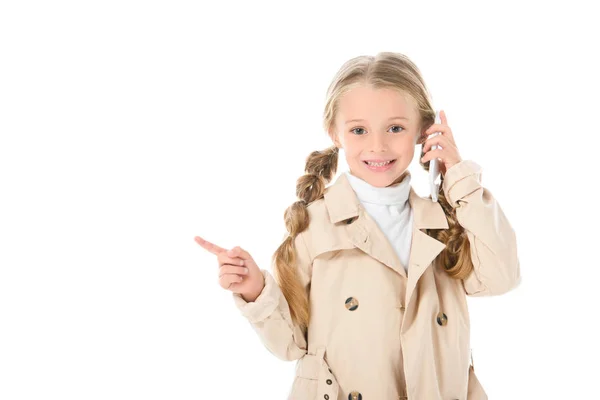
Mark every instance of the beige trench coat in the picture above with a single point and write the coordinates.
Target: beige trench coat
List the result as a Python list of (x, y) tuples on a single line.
[(376, 332)]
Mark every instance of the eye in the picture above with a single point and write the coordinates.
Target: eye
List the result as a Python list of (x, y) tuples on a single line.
[(354, 131), (397, 126)]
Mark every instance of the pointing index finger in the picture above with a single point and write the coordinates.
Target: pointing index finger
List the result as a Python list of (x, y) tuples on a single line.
[(213, 248)]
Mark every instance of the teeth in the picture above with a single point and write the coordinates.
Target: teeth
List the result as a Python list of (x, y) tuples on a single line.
[(378, 164)]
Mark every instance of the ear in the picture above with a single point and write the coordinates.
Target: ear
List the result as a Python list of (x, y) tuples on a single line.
[(422, 138), (334, 139)]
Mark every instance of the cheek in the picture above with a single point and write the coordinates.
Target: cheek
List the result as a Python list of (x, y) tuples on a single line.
[(353, 155), (352, 148), (405, 148)]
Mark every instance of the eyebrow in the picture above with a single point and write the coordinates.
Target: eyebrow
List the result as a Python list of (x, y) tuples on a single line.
[(358, 119)]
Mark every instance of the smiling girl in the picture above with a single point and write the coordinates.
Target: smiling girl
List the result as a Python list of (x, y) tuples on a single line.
[(369, 286)]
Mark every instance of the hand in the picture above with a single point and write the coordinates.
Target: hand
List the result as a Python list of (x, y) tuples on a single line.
[(237, 270), (448, 152)]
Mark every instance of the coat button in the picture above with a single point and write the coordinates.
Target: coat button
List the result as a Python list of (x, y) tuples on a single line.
[(326, 397), (351, 303), (442, 319), (350, 220), (355, 396), (329, 381)]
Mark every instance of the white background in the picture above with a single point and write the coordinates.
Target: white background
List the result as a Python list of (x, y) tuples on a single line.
[(127, 128)]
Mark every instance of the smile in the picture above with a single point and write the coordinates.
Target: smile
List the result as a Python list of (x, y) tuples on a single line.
[(379, 165)]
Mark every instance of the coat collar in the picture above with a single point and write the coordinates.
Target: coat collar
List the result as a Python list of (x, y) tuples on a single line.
[(342, 204)]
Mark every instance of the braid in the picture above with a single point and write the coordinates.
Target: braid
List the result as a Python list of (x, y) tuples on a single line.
[(320, 168), (456, 257)]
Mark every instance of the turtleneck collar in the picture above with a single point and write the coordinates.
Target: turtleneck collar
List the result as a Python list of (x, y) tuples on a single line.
[(396, 194)]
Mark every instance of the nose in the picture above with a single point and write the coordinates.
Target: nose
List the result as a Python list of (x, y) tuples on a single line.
[(378, 143)]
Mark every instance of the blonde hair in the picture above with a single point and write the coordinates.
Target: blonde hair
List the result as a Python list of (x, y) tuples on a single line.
[(384, 70)]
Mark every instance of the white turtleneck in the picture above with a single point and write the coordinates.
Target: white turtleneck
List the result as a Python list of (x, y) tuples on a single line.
[(390, 208)]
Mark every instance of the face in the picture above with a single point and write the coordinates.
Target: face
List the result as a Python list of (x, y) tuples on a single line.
[(378, 130)]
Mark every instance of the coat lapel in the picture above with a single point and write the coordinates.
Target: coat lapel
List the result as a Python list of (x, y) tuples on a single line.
[(363, 232), (343, 205), (428, 214)]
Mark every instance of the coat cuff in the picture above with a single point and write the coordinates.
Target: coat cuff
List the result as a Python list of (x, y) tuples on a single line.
[(461, 180), (264, 305)]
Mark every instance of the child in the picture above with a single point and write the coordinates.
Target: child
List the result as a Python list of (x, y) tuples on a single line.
[(369, 287)]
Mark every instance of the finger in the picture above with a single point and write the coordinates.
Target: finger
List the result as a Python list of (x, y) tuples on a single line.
[(432, 154), (237, 251), (439, 140), (448, 131), (227, 280), (213, 248), (223, 258), (441, 127), (231, 269), (443, 117)]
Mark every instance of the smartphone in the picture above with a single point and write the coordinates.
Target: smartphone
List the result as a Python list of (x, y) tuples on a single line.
[(434, 169)]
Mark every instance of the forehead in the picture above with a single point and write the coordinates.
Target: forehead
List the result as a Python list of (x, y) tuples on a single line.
[(365, 101)]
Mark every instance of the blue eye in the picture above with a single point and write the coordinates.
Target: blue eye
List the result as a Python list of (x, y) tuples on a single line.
[(353, 130)]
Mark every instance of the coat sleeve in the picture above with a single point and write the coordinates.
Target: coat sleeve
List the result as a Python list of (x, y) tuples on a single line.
[(496, 268), (270, 315)]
